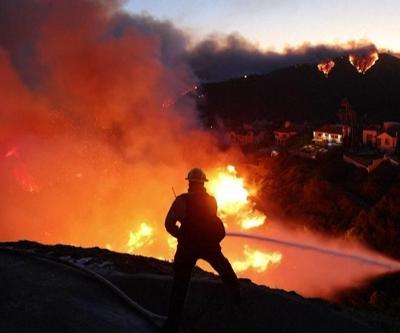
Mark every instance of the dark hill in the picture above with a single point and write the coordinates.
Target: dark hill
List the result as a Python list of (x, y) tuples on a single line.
[(44, 291), (302, 92)]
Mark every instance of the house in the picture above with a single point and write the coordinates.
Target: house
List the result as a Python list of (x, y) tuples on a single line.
[(385, 139), (388, 139), (331, 134), (287, 131), (244, 137), (369, 135), (240, 137)]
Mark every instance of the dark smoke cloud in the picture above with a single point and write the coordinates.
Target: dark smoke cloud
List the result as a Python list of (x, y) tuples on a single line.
[(216, 58), (223, 57), (84, 138)]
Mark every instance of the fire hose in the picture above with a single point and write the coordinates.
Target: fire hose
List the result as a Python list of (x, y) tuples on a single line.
[(392, 265), (155, 319)]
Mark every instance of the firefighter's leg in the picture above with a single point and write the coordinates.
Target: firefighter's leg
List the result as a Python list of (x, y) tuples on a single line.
[(183, 266), (223, 267)]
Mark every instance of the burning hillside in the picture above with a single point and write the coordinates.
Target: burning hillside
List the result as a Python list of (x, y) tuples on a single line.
[(326, 67), (363, 62)]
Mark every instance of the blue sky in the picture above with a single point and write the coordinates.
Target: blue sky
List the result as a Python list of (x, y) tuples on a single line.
[(275, 24)]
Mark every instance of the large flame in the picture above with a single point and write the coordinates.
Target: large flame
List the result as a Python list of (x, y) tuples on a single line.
[(235, 207), (326, 67), (142, 237), (233, 199), (257, 260), (363, 62)]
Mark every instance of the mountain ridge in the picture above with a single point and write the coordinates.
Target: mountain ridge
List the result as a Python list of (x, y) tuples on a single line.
[(303, 93)]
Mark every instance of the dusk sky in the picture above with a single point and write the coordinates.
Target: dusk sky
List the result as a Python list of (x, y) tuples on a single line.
[(275, 24)]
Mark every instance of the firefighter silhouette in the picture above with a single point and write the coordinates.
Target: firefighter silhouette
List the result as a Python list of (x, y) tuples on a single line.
[(199, 236)]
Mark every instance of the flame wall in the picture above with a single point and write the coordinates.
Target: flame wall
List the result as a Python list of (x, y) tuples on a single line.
[(87, 151)]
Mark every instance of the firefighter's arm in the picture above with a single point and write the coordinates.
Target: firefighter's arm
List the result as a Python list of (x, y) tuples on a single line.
[(171, 220)]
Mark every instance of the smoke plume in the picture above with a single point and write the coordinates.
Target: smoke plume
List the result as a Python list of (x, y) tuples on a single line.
[(87, 152), (219, 58)]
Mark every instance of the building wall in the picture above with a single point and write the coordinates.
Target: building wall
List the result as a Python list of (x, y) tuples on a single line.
[(386, 143), (369, 137)]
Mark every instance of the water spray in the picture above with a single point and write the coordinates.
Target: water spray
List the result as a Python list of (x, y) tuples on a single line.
[(389, 264)]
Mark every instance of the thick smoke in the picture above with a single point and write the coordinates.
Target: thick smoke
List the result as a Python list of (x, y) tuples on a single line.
[(220, 58), (87, 152)]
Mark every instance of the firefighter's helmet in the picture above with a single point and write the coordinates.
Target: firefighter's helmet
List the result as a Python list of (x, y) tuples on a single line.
[(196, 175)]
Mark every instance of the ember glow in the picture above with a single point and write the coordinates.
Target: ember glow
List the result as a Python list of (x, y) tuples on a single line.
[(326, 67), (20, 171), (363, 62)]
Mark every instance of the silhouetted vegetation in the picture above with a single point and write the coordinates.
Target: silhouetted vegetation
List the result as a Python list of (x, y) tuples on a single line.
[(333, 197), (379, 294)]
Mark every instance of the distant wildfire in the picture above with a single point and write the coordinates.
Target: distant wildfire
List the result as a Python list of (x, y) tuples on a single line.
[(326, 67), (364, 62)]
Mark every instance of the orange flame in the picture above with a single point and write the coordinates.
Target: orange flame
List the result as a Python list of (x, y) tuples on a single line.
[(234, 205), (233, 199), (140, 238), (365, 62), (326, 67), (257, 260)]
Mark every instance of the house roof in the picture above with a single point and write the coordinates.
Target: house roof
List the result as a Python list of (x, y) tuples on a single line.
[(364, 160), (392, 131), (373, 128), (333, 129)]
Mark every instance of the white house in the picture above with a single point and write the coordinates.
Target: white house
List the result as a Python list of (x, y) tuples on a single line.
[(331, 134)]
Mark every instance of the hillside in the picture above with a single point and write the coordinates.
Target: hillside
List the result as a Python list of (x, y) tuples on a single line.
[(42, 296), (303, 93)]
